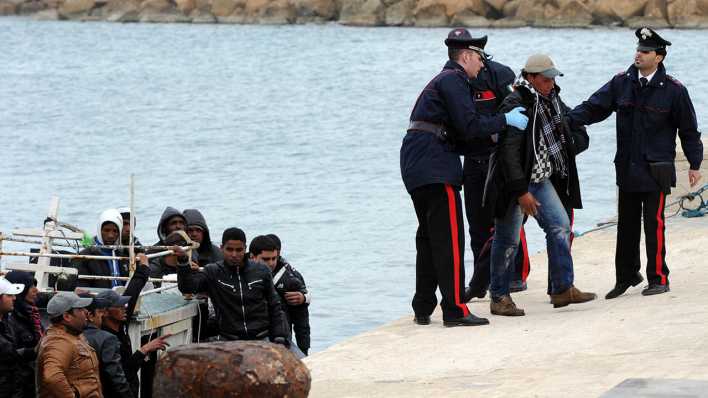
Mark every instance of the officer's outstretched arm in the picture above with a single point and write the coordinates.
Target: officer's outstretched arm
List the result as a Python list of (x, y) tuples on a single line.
[(597, 108)]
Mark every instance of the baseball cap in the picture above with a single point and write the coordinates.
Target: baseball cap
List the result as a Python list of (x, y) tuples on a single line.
[(543, 64), (6, 287), (113, 299), (65, 301), (96, 303)]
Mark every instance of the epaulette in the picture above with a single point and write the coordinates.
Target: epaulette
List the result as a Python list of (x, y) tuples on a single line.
[(623, 73), (674, 80)]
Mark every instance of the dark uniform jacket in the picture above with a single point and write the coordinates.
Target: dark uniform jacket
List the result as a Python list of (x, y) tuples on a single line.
[(130, 361), (107, 347), (288, 279), (515, 157), (647, 121), (490, 87), (10, 379), (246, 303), (447, 101)]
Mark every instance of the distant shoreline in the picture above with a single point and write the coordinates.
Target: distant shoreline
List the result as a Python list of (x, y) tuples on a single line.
[(678, 14)]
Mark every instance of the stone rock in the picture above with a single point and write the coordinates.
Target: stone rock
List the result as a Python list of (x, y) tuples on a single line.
[(508, 23), (530, 11), (603, 13), (121, 11), (686, 14), (471, 20), (231, 369), (573, 14), (7, 8), (400, 14), (74, 8), (201, 16), (275, 12), (628, 8), (224, 8), (362, 13), (431, 13), (497, 5), (150, 16), (315, 10), (656, 9), (232, 19), (31, 7), (155, 6), (655, 23), (204, 5), (510, 8), (186, 6), (47, 15)]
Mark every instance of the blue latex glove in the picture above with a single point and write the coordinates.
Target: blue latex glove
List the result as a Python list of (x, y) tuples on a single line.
[(516, 118)]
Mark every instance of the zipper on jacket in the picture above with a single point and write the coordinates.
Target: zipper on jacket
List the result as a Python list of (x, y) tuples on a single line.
[(243, 307)]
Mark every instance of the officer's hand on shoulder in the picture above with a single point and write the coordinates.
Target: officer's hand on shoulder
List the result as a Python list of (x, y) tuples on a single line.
[(516, 118)]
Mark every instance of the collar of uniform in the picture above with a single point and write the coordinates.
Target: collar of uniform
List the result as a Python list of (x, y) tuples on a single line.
[(454, 65), (657, 80)]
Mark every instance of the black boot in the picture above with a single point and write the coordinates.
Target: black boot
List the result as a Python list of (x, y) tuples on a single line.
[(620, 288), (422, 319), (469, 320), (655, 289), (472, 292)]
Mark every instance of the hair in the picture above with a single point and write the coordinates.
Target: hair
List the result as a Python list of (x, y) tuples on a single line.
[(276, 240), (525, 74), (454, 54), (260, 244), (57, 319), (233, 234)]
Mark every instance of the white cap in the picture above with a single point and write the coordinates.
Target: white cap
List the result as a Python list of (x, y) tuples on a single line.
[(10, 288)]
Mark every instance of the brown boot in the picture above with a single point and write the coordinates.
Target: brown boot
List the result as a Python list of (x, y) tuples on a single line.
[(505, 306), (571, 296)]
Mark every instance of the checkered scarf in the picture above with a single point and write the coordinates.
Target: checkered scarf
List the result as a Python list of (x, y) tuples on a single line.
[(549, 149)]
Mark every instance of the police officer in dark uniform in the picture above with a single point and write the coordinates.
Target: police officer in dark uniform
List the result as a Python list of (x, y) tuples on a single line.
[(651, 107), (489, 87), (443, 116)]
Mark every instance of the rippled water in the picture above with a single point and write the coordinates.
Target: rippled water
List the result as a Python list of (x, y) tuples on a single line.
[(287, 129)]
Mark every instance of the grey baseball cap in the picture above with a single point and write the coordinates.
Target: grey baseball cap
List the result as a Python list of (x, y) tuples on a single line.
[(543, 64), (65, 301), (112, 298)]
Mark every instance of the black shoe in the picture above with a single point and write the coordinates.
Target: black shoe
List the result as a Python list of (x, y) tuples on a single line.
[(517, 286), (620, 288), (655, 289), (469, 320), (422, 320), (471, 293)]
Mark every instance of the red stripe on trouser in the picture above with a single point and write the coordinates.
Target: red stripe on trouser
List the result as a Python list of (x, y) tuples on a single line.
[(525, 268), (452, 205), (660, 239)]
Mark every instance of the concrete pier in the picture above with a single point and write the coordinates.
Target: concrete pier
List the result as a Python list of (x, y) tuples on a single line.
[(583, 350)]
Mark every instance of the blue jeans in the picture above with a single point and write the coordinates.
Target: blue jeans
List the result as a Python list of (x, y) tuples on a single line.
[(553, 219)]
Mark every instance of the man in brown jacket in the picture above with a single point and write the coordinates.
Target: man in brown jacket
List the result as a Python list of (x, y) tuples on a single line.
[(67, 366)]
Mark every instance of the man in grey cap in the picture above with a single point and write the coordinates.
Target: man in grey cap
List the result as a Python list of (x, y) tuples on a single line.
[(66, 364), (536, 175)]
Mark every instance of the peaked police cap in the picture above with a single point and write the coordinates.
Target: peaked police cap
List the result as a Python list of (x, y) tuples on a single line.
[(649, 40), (461, 38)]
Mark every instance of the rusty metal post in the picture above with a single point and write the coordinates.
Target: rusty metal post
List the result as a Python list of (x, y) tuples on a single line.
[(249, 369)]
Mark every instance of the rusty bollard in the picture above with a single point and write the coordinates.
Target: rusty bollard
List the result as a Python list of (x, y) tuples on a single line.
[(231, 369)]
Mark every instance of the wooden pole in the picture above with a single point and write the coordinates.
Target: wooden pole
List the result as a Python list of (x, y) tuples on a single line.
[(131, 250)]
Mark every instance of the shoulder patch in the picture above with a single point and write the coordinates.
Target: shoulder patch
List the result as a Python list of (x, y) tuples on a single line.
[(674, 80)]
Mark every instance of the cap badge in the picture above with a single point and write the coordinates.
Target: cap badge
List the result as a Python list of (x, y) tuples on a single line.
[(458, 32), (645, 32)]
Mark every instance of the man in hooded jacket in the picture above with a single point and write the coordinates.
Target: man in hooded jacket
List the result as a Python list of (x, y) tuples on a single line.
[(172, 220), (108, 232), (198, 231)]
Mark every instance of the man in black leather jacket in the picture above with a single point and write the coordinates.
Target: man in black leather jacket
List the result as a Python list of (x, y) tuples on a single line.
[(247, 305)]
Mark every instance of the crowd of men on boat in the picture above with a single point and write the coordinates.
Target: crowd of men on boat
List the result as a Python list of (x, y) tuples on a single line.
[(81, 348), (520, 142)]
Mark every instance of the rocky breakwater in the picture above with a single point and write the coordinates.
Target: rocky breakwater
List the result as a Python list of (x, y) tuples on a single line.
[(427, 13)]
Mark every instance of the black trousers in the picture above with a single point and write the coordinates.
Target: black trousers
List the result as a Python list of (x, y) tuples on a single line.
[(440, 242), (633, 206), (481, 228)]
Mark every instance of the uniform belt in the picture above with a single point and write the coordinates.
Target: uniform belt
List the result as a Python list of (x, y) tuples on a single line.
[(425, 127)]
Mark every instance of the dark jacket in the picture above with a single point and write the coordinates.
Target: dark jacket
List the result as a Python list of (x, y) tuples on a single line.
[(130, 361), (107, 347), (97, 268), (26, 337), (647, 121), (447, 100), (10, 379), (489, 88), (288, 279), (246, 303), (514, 159), (208, 252)]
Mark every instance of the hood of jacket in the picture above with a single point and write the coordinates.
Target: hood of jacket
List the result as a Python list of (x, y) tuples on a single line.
[(195, 217), (112, 216), (166, 215)]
